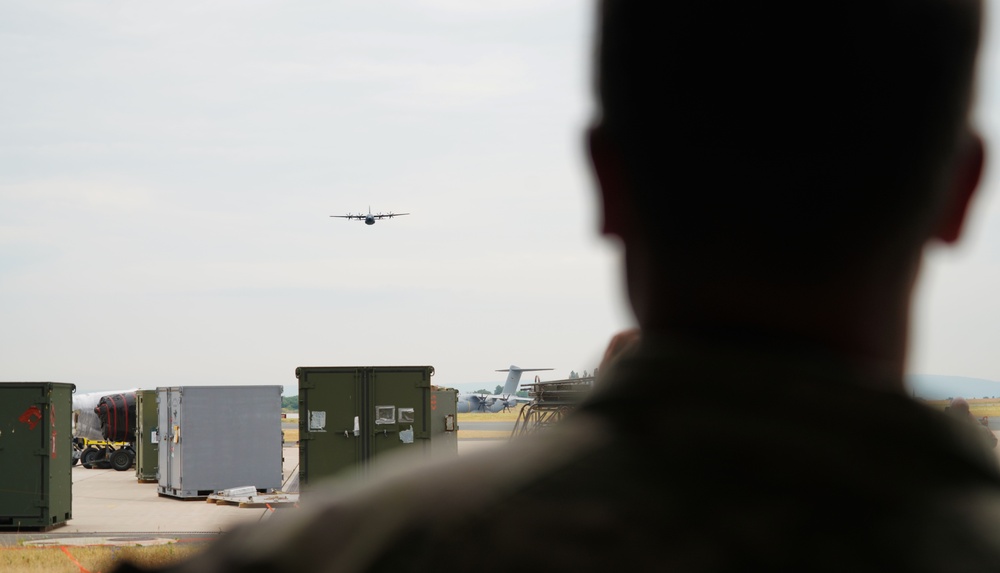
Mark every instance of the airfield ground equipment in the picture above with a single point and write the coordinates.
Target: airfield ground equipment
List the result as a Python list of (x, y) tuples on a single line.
[(146, 438), (36, 458), (213, 438), (550, 402), (103, 454), (104, 430), (117, 415), (349, 415)]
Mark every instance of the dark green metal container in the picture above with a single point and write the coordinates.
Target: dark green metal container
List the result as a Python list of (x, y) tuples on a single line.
[(349, 415), (146, 441), (36, 455)]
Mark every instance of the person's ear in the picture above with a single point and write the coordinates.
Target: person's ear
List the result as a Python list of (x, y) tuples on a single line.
[(964, 182), (606, 159)]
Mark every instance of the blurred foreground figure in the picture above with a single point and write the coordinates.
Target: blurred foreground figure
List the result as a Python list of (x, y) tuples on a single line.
[(774, 171), (959, 409)]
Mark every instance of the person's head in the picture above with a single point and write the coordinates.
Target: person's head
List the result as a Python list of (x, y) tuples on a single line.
[(959, 407), (786, 139)]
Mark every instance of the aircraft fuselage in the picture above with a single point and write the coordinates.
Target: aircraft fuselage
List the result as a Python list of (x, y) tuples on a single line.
[(476, 403)]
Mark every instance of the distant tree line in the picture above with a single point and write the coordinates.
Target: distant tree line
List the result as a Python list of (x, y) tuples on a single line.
[(290, 403)]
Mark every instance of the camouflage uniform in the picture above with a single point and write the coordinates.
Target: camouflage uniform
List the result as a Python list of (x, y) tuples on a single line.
[(688, 457)]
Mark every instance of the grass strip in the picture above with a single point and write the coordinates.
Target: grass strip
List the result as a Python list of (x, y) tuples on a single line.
[(91, 558)]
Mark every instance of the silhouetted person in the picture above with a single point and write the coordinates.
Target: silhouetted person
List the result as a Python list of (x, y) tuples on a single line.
[(958, 408), (773, 170)]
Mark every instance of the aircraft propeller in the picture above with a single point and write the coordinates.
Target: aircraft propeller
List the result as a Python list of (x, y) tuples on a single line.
[(507, 404), (486, 403)]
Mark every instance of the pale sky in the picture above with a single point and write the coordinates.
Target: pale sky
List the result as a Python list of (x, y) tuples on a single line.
[(167, 172)]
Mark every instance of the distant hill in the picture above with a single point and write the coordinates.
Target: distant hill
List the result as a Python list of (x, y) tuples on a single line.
[(941, 387)]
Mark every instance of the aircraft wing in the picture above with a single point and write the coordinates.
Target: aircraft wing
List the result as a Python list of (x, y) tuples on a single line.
[(349, 216), (389, 215)]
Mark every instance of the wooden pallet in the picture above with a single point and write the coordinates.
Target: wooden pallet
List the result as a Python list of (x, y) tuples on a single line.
[(262, 500)]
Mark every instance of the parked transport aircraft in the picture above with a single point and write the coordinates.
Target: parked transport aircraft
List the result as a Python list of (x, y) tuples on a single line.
[(475, 402)]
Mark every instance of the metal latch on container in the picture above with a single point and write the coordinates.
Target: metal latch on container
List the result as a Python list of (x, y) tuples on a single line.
[(357, 428)]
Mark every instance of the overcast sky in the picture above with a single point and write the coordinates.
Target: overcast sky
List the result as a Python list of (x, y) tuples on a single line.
[(167, 172)]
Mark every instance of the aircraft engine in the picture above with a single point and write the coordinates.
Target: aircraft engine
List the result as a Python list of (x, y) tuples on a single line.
[(87, 422), (117, 416)]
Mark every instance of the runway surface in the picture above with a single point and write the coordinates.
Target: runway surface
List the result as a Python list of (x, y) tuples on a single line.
[(113, 508)]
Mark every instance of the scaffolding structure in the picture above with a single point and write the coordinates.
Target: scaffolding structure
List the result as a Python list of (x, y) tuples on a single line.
[(550, 402)]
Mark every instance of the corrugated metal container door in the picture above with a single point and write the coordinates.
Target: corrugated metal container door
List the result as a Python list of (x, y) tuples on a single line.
[(168, 460)]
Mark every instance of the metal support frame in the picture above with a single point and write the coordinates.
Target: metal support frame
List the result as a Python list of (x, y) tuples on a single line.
[(550, 402)]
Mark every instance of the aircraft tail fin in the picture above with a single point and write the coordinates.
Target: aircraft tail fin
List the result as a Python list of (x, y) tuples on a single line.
[(514, 376)]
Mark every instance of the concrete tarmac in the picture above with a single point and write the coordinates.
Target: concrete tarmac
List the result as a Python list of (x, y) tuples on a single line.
[(113, 508)]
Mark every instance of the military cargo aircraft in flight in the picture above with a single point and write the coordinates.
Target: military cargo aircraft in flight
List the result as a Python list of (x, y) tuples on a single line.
[(473, 402), (370, 218)]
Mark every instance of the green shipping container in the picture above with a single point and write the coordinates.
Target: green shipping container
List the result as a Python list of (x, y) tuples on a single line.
[(349, 415), (444, 425), (36, 455), (146, 442)]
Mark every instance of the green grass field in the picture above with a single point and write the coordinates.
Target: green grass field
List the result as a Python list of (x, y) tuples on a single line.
[(978, 406), (490, 417), (468, 431)]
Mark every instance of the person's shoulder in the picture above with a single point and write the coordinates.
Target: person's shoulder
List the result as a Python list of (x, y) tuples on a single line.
[(952, 530)]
